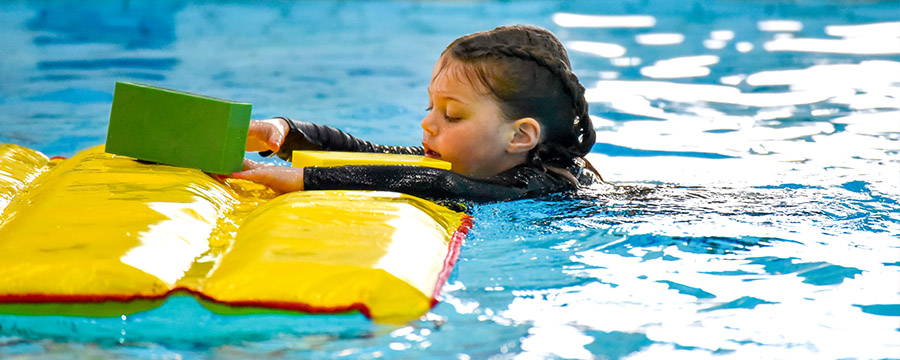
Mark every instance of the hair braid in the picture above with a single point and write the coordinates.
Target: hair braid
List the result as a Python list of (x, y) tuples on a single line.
[(582, 127)]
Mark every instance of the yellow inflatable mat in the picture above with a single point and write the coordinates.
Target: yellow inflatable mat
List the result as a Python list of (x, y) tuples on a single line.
[(105, 235)]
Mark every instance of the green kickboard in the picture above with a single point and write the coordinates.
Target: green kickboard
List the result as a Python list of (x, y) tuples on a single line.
[(177, 128)]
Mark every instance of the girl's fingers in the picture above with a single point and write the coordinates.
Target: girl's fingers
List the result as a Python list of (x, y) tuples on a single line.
[(279, 178), (257, 136), (276, 135), (250, 165), (266, 134)]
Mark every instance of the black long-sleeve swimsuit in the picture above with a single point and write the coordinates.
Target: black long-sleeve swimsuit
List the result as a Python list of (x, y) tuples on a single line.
[(520, 182)]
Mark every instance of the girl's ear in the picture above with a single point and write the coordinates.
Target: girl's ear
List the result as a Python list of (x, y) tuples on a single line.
[(527, 135)]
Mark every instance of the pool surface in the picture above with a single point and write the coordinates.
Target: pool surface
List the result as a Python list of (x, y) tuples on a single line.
[(754, 148)]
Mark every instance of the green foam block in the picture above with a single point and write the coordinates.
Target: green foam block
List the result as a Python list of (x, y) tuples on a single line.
[(178, 128)]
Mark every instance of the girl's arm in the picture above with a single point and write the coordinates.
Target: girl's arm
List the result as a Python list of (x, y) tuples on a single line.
[(308, 136), (436, 184)]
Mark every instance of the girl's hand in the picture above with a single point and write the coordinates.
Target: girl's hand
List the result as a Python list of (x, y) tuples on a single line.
[(266, 134), (280, 178)]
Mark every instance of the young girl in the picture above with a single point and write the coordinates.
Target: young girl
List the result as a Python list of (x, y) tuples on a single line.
[(504, 108)]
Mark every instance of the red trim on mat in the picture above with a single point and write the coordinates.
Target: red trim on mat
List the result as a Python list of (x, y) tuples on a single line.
[(452, 255), (282, 305), (56, 298)]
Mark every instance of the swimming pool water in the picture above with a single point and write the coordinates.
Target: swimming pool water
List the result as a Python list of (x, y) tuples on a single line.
[(753, 145)]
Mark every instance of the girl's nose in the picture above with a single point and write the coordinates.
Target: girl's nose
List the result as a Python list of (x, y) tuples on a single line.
[(429, 125)]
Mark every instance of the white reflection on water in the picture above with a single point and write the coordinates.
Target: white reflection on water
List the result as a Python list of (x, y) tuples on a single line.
[(861, 46), (866, 39), (868, 75), (722, 35), (681, 67), (601, 49), (875, 81), (562, 340), (660, 39), (718, 39), (733, 80), (603, 21), (883, 30), (632, 293), (743, 46), (713, 44), (625, 61), (632, 96), (774, 312), (779, 25), (863, 85)]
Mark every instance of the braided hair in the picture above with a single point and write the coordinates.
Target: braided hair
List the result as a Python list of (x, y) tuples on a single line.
[(527, 69)]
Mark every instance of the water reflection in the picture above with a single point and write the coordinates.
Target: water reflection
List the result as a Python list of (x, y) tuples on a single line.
[(603, 21), (882, 30), (606, 50), (844, 83), (688, 66), (779, 25), (860, 46), (667, 271), (718, 39), (660, 39)]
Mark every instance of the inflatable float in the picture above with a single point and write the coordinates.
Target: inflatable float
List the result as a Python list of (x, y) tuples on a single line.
[(102, 235)]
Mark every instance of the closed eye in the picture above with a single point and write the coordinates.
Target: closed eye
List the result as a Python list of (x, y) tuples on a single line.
[(452, 119), (448, 118)]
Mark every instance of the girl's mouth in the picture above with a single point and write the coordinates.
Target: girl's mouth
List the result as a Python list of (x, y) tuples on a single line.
[(431, 153)]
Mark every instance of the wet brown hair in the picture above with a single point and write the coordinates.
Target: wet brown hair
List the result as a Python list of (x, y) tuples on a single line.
[(527, 70)]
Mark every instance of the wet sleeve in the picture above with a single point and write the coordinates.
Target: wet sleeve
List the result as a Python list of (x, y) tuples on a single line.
[(435, 184), (308, 136)]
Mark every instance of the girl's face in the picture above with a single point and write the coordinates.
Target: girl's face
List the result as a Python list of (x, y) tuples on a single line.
[(464, 124)]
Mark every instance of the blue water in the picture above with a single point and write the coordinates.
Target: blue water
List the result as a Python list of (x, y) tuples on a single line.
[(753, 145)]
